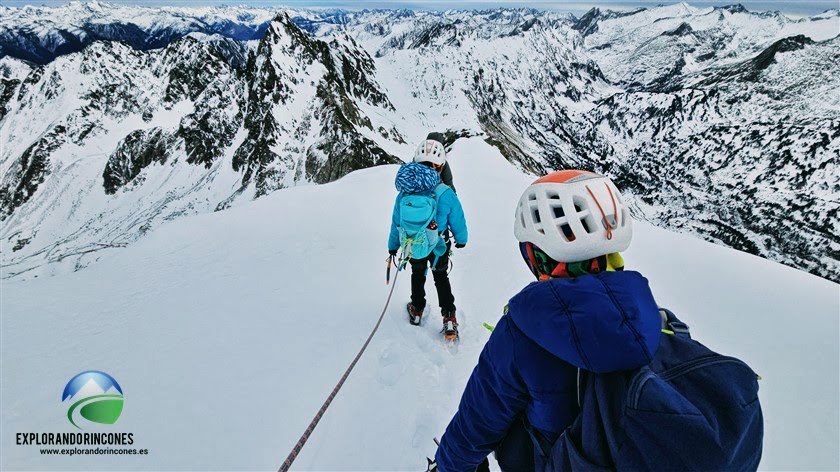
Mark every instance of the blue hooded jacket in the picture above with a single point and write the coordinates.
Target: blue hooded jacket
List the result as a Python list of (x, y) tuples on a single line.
[(528, 369), (450, 215)]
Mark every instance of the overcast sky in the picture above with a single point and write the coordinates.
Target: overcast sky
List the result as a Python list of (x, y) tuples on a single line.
[(798, 8)]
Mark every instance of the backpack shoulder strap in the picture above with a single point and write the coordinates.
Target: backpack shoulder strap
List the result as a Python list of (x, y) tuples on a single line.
[(580, 379), (671, 323), (441, 189)]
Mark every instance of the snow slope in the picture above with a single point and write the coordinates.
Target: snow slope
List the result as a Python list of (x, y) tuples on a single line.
[(228, 330)]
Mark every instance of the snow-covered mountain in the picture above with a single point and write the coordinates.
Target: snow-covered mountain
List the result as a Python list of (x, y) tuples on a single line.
[(40, 34), (745, 153), (126, 139), (720, 122), (652, 47), (741, 147), (228, 330)]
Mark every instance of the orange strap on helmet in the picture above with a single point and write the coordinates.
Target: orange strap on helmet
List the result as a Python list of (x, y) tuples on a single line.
[(607, 224)]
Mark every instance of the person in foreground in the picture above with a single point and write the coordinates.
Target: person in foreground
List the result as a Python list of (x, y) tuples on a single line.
[(584, 311)]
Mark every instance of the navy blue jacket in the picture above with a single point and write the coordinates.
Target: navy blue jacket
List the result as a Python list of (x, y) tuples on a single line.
[(528, 368)]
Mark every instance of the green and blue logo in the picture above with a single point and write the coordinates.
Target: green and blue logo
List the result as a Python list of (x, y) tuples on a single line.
[(94, 396)]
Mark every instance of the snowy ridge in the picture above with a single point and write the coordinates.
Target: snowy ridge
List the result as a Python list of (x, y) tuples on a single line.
[(258, 297)]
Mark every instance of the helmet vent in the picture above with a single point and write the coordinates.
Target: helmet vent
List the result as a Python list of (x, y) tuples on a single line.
[(532, 197), (553, 195), (558, 212), (588, 222), (580, 204), (568, 234), (536, 214)]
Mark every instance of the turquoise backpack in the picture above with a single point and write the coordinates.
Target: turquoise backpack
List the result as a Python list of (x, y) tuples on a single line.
[(418, 229)]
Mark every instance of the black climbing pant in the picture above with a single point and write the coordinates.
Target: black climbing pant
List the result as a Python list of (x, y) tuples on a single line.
[(418, 282)]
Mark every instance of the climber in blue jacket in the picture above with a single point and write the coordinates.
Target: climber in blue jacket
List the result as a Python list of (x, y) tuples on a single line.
[(584, 311), (422, 177)]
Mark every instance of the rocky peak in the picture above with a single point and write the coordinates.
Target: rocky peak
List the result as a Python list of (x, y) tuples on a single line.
[(751, 69), (288, 38), (193, 62), (588, 23), (735, 8), (768, 56), (682, 30), (323, 80)]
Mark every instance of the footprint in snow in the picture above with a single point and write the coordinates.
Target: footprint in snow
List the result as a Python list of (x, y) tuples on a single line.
[(391, 367), (424, 429)]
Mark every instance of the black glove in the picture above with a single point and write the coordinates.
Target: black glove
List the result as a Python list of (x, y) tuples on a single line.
[(460, 246), (393, 252)]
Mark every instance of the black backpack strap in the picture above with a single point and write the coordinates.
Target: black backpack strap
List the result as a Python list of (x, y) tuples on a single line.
[(541, 446), (579, 389), (673, 324)]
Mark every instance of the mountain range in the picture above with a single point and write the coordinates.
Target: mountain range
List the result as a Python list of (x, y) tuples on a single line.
[(719, 122)]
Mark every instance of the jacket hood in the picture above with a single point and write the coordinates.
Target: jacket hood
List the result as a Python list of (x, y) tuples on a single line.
[(602, 323), (413, 178)]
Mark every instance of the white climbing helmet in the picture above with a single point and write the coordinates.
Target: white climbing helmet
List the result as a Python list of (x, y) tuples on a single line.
[(432, 151), (573, 215)]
